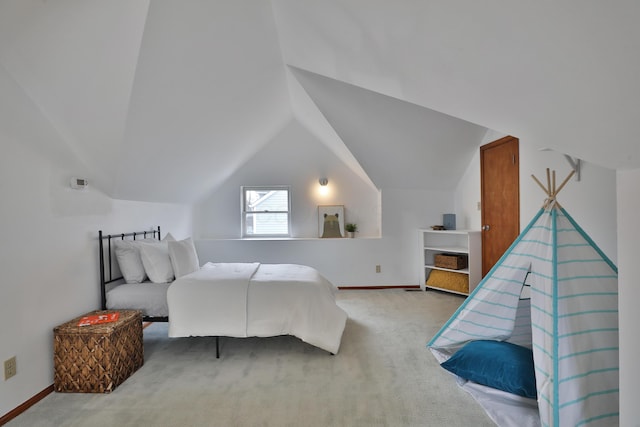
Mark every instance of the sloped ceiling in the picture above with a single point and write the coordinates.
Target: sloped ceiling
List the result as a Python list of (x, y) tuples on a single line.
[(76, 61), (162, 100), (209, 91), (554, 74), (399, 144)]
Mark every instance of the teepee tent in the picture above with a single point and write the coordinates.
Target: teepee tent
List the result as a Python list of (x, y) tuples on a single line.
[(555, 292)]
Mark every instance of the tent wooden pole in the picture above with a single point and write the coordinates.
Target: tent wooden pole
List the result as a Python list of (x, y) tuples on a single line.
[(565, 181), (551, 190), (540, 184)]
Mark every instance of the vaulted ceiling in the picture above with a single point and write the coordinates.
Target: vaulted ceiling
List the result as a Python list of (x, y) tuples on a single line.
[(162, 100)]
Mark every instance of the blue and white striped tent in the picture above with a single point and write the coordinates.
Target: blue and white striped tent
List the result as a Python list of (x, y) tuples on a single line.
[(570, 320)]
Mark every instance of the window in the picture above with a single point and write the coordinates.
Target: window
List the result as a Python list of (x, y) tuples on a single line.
[(266, 211)]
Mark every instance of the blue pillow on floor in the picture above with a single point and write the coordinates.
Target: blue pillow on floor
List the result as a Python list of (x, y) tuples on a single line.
[(497, 364)]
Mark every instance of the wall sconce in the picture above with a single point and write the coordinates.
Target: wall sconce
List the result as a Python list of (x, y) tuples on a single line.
[(324, 190)]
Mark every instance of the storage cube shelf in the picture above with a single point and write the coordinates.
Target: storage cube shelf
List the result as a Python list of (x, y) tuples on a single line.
[(465, 242)]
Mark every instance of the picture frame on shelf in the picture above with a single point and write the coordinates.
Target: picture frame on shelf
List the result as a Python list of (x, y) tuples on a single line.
[(331, 221)]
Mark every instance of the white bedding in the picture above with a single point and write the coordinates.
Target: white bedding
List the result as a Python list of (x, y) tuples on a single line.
[(252, 299), (149, 297)]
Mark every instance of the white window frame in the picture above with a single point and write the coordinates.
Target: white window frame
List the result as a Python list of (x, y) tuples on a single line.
[(244, 212)]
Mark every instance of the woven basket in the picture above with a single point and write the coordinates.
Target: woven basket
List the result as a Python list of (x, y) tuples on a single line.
[(452, 261), (97, 358)]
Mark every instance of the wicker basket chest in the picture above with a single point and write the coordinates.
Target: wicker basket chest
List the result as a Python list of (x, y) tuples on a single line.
[(97, 358)]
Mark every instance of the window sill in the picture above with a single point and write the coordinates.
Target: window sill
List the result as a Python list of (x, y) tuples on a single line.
[(274, 239)]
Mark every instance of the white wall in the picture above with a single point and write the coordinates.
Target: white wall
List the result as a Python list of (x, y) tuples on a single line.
[(293, 157), (49, 256), (387, 220), (629, 294), (590, 201), (467, 196), (350, 262)]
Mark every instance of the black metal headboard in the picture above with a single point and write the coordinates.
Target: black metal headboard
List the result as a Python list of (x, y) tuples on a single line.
[(106, 250)]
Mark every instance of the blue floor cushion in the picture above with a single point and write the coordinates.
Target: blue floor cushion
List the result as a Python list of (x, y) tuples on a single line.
[(496, 364)]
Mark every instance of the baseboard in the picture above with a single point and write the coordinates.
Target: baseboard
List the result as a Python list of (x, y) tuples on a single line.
[(26, 405), (360, 288)]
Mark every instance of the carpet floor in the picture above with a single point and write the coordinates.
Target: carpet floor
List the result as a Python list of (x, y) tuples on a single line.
[(383, 375)]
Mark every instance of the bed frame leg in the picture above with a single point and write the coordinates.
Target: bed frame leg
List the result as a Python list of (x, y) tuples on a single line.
[(217, 347)]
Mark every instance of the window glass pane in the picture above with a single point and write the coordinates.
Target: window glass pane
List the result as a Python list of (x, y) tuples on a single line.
[(265, 211), (266, 200), (268, 223)]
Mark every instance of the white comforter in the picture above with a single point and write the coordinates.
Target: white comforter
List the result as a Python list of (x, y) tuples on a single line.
[(261, 300)]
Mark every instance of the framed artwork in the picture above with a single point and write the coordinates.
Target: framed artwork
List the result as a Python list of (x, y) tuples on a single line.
[(331, 221)]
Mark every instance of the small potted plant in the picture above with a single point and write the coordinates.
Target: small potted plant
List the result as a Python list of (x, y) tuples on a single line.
[(351, 229)]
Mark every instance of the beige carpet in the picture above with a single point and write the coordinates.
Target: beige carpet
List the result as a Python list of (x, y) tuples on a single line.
[(382, 376)]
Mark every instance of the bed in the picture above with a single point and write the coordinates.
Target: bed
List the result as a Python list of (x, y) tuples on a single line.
[(135, 294), (256, 300), (217, 299)]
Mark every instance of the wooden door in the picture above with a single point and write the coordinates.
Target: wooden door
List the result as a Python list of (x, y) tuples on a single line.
[(500, 195)]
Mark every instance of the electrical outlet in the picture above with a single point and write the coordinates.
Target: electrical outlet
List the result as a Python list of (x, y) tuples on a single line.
[(378, 268), (10, 368)]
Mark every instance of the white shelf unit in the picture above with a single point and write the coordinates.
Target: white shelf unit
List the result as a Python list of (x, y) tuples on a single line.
[(468, 242)]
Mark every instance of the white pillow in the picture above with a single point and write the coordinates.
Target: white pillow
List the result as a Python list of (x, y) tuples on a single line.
[(128, 257), (156, 262), (183, 256)]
